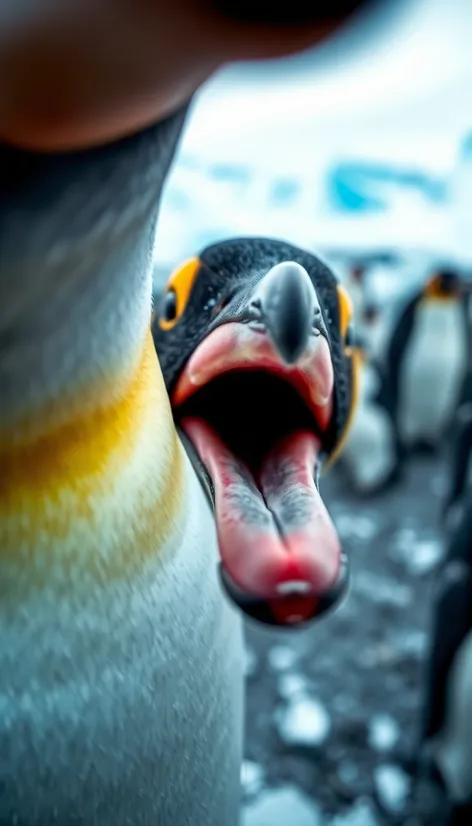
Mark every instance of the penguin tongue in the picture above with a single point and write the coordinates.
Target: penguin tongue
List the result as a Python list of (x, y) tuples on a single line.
[(275, 535)]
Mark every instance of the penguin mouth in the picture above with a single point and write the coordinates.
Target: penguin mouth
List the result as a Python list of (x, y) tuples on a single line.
[(258, 428)]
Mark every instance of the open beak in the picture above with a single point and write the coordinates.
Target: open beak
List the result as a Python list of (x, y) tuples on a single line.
[(255, 400)]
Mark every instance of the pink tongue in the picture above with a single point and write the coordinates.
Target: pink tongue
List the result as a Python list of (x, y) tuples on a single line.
[(275, 535)]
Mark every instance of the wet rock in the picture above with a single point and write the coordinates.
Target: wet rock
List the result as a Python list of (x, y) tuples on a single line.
[(352, 526), (303, 722), (279, 807), (392, 786), (348, 772)]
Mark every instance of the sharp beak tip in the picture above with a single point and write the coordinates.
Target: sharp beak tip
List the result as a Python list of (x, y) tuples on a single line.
[(289, 319)]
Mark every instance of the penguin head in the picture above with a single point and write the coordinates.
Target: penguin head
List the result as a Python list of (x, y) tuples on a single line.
[(444, 285), (255, 341), (370, 314), (358, 271)]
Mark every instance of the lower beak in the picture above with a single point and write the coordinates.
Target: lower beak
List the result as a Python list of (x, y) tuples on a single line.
[(294, 610)]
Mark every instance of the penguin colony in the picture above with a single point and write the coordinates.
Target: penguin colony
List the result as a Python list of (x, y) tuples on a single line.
[(446, 736), (415, 372), (420, 389)]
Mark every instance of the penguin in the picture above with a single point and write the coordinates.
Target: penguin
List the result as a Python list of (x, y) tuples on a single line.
[(121, 657), (253, 338), (446, 732), (421, 370), (355, 283), (370, 456)]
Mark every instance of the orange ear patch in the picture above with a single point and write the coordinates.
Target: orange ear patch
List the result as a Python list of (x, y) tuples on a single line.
[(179, 285), (346, 309)]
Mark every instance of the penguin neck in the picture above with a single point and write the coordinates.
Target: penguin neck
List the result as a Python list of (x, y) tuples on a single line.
[(86, 429)]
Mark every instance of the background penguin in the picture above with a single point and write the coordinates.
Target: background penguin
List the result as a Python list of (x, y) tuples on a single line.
[(248, 335), (355, 282), (121, 660), (447, 723), (370, 452), (424, 363), (460, 479)]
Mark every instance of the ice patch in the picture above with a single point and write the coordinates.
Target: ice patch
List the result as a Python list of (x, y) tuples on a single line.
[(361, 814), (420, 556), (281, 657), (412, 643), (393, 787), (384, 732), (252, 778), (279, 807), (288, 685), (304, 722), (350, 526)]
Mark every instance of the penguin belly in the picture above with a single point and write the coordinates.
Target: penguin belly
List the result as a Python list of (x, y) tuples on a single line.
[(431, 373), (127, 707), (370, 449), (453, 746)]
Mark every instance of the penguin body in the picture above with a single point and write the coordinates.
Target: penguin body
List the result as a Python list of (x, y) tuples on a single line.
[(370, 453), (447, 723), (121, 661), (121, 658), (423, 369)]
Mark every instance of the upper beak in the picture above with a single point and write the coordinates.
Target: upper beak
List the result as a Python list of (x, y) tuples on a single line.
[(286, 305)]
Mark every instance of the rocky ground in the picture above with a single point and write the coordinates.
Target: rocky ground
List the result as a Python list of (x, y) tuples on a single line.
[(333, 711)]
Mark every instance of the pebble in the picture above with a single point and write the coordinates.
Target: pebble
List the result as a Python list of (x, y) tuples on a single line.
[(281, 657), (303, 722), (420, 556), (382, 590), (288, 685), (279, 807), (252, 777), (393, 787), (361, 814), (413, 643), (351, 526), (384, 732)]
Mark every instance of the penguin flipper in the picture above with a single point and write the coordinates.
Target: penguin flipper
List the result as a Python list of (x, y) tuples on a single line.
[(460, 454), (452, 622)]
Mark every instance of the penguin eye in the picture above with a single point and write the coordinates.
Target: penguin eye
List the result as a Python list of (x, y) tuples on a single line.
[(177, 294), (169, 306)]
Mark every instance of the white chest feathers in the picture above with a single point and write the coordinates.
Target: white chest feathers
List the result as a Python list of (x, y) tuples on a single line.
[(432, 370), (454, 745), (129, 705), (369, 451)]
